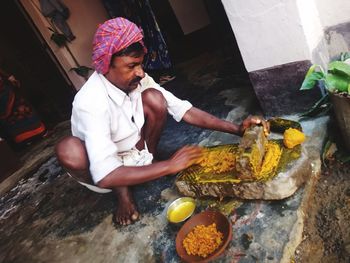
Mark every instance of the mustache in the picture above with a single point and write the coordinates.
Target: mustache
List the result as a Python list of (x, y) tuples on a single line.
[(135, 80)]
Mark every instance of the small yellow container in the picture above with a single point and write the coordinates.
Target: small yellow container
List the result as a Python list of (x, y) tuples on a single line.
[(181, 209)]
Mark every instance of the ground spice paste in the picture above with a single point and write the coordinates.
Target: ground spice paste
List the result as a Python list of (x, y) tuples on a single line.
[(203, 240)]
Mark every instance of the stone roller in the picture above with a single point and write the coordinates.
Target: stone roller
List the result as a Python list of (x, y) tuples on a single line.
[(251, 152)]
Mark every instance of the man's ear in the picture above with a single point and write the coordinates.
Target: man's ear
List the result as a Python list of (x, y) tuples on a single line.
[(112, 62)]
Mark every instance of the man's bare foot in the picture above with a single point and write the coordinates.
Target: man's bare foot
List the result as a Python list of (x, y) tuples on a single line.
[(126, 212)]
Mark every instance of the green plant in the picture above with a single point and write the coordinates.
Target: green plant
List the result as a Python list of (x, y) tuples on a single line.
[(336, 79)]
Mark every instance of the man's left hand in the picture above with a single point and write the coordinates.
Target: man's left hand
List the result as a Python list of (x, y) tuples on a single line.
[(255, 120)]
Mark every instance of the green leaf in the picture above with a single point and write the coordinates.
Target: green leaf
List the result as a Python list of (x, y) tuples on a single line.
[(337, 82), (323, 110), (322, 106), (339, 68), (311, 79), (311, 70)]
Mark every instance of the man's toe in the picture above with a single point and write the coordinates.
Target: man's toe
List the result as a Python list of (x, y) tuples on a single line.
[(135, 216)]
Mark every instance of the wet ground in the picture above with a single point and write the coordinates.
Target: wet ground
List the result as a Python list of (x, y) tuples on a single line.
[(48, 217)]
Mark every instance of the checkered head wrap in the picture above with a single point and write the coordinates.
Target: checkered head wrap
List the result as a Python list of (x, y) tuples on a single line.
[(111, 37)]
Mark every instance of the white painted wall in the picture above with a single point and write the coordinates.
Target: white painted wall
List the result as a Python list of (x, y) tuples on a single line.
[(268, 33), (85, 15), (333, 12), (310, 21), (275, 32), (313, 31)]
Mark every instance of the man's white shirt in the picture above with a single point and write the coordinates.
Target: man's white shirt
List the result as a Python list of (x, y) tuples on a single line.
[(109, 121)]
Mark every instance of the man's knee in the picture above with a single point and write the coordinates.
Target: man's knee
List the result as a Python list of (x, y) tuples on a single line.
[(154, 100), (71, 153)]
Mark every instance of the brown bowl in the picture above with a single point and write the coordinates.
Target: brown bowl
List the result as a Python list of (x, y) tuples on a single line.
[(204, 218)]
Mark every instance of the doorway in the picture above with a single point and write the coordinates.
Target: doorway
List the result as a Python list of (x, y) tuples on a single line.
[(216, 36), (24, 54)]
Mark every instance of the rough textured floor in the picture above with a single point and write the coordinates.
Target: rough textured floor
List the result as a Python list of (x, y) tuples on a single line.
[(48, 217), (326, 237)]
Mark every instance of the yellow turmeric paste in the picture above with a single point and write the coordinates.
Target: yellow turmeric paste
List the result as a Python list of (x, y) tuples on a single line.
[(202, 240), (255, 159), (271, 159), (218, 161), (181, 212), (223, 162), (293, 137)]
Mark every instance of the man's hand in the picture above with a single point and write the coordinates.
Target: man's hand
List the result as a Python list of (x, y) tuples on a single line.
[(185, 157), (255, 120)]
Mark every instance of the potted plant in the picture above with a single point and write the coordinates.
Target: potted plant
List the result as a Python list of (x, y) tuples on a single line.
[(334, 83)]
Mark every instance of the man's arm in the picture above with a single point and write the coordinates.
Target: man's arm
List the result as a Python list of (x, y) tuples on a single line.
[(202, 119), (131, 175)]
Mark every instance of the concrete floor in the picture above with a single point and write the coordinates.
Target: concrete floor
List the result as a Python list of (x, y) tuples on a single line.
[(45, 216)]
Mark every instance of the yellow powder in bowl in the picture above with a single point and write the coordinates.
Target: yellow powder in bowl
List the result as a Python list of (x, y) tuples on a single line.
[(181, 212), (203, 240)]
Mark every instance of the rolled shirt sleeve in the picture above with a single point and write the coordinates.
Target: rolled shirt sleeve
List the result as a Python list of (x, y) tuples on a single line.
[(99, 118)]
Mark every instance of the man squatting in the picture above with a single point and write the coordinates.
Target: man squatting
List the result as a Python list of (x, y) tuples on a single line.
[(117, 119)]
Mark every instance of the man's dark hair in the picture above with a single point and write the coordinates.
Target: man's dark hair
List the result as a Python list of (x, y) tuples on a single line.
[(135, 49)]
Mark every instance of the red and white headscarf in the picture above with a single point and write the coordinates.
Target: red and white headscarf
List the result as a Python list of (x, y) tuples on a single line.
[(111, 37)]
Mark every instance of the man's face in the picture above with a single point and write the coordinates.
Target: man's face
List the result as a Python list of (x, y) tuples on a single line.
[(126, 72)]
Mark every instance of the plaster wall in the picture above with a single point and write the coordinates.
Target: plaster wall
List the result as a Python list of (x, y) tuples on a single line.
[(313, 31), (336, 23), (333, 12), (85, 15), (310, 20), (268, 33)]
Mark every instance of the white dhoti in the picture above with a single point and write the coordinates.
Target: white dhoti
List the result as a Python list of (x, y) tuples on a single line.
[(133, 157)]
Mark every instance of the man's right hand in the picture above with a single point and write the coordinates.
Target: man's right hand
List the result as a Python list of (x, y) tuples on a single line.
[(185, 157), (131, 175), (251, 120)]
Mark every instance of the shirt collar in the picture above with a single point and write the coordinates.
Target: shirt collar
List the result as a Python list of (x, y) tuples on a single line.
[(117, 94)]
